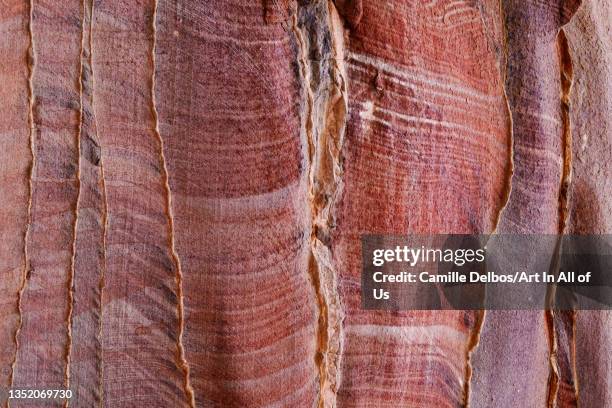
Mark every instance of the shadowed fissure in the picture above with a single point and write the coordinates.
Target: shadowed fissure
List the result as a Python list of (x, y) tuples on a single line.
[(553, 318), (318, 33)]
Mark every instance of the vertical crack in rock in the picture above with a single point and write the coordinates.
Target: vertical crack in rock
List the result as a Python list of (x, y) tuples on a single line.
[(85, 354), (481, 315), (319, 33), (557, 319), (76, 209), (553, 380), (503, 61), (26, 266), (102, 283), (182, 361), (567, 75), (473, 343)]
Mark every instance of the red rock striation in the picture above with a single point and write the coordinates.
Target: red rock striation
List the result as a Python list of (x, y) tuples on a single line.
[(236, 154), (185, 184), (15, 168), (42, 358), (425, 89)]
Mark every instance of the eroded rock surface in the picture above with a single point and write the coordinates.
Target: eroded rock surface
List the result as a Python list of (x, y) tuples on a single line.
[(185, 185)]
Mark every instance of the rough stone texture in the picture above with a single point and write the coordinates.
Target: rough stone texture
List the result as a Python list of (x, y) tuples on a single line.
[(44, 338), (417, 106), (89, 256), (140, 318), (522, 339), (590, 204), (15, 164), (236, 153), (184, 186)]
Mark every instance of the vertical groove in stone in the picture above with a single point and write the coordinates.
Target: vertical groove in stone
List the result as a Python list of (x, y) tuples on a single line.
[(561, 323), (503, 61), (76, 208), (307, 124), (182, 361), (26, 266), (563, 387), (319, 33), (85, 358), (567, 79), (553, 374), (473, 342)]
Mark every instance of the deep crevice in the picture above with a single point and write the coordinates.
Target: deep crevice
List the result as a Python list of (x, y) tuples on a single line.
[(554, 317), (319, 36)]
